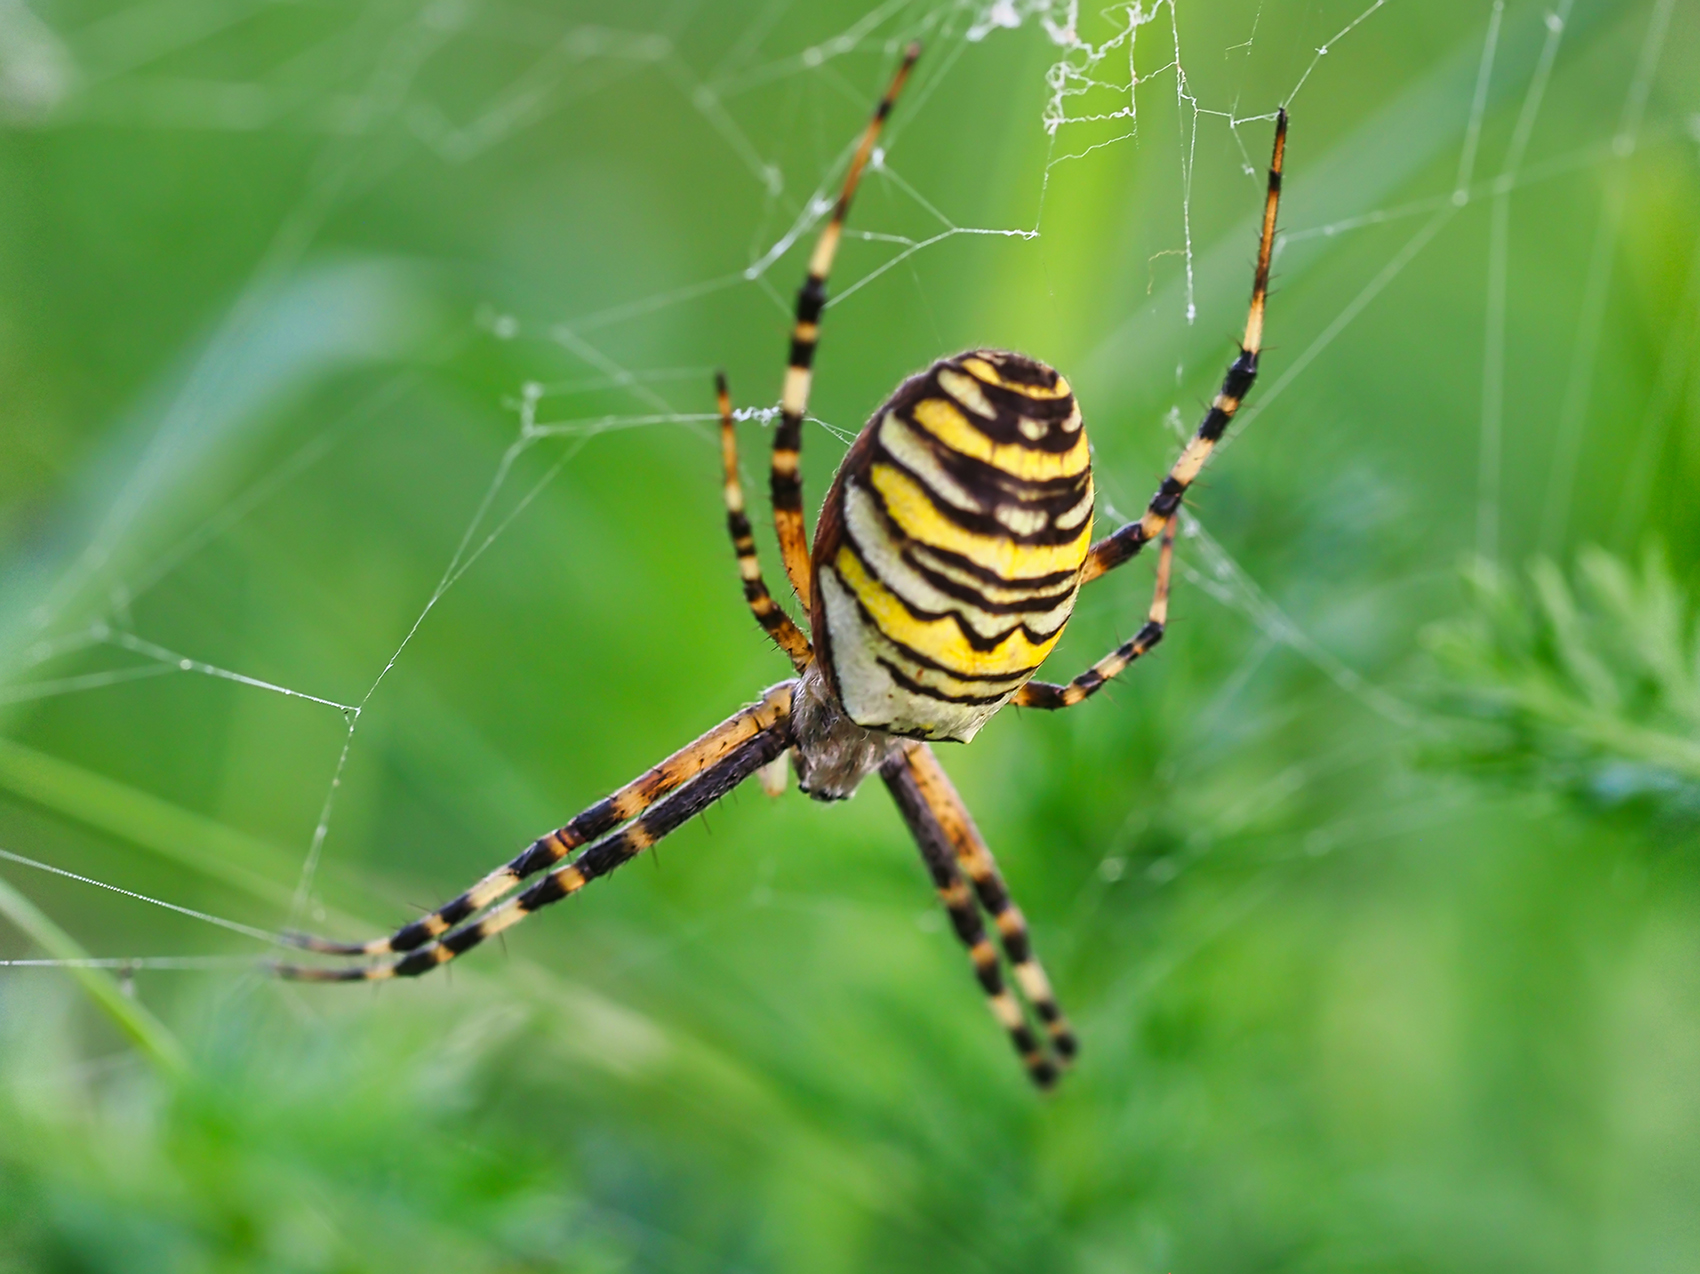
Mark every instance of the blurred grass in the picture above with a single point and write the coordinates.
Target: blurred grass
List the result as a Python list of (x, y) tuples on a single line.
[(1374, 895)]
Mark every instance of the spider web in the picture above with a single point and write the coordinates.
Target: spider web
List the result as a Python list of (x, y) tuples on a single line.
[(1132, 79)]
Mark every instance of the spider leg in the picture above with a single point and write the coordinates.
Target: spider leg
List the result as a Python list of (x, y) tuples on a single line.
[(631, 800), (787, 481), (601, 858), (768, 612), (1118, 547), (1046, 694), (962, 868)]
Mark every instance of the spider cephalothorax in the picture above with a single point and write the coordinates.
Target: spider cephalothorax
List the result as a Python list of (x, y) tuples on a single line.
[(948, 555)]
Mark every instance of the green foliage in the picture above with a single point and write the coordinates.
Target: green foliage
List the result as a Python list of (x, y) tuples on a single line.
[(1592, 688), (289, 1150), (274, 279)]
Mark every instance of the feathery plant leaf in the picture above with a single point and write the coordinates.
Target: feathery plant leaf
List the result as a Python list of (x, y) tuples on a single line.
[(1591, 686)]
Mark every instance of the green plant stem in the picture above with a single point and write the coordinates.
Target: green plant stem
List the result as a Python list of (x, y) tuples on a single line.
[(148, 1032)]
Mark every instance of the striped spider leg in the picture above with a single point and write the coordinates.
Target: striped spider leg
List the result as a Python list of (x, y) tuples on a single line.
[(599, 859), (443, 933), (1124, 543), (786, 483), (769, 614), (1047, 694), (652, 805), (949, 552), (964, 872)]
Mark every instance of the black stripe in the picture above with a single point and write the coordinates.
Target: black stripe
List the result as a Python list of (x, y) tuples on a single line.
[(680, 807), (1215, 423), (987, 523), (1010, 408), (786, 491), (969, 567), (966, 922), (1018, 946), (462, 940), (940, 858), (1119, 546), (1043, 695), (1016, 367), (932, 692), (811, 299), (915, 655), (1008, 405), (1168, 497), (543, 852), (1035, 602), (419, 962), (1145, 639), (981, 477), (415, 934), (1237, 384), (770, 616), (975, 639), (993, 895), (665, 816)]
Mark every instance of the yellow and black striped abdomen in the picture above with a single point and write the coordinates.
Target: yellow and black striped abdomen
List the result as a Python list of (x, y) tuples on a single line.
[(951, 544)]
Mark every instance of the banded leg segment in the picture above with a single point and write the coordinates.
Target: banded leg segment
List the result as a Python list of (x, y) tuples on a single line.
[(939, 854), (1118, 547), (664, 817), (974, 857), (603, 817), (768, 612), (1046, 694), (787, 479)]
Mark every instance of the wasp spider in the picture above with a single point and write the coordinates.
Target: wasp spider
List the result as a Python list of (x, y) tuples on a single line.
[(949, 552)]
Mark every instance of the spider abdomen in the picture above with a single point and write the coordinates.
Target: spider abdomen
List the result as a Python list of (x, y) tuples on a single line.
[(951, 544)]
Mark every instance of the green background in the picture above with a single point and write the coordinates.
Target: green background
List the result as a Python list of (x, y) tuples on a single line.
[(1373, 894)]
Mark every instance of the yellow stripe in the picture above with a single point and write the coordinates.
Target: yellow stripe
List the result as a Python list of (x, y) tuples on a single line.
[(1191, 463), (966, 390), (885, 558), (1018, 590), (940, 640), (915, 514), (984, 371), (795, 399), (945, 422), (1035, 985), (1007, 1011)]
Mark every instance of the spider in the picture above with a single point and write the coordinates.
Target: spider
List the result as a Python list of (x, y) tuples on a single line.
[(948, 554)]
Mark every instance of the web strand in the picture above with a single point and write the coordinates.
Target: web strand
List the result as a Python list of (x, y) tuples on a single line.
[(1578, 387), (247, 931), (1088, 106), (1488, 480)]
